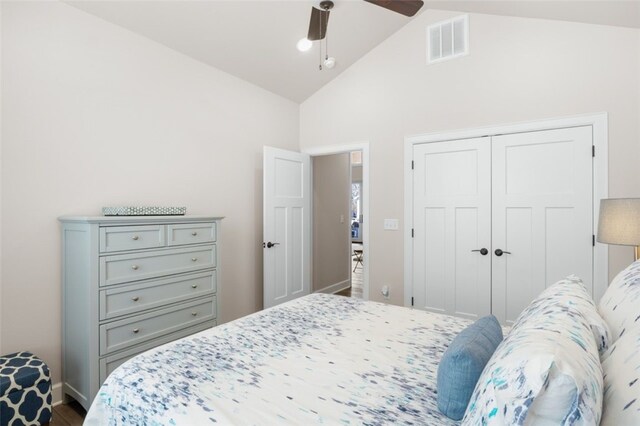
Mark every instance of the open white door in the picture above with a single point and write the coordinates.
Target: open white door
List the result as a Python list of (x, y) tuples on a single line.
[(287, 225)]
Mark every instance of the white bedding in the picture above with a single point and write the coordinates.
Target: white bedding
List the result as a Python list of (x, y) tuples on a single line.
[(319, 359)]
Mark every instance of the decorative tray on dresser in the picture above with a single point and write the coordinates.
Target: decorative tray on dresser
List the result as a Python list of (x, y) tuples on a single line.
[(130, 284)]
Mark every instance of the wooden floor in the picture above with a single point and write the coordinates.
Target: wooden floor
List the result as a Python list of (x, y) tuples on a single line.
[(71, 414), (357, 282)]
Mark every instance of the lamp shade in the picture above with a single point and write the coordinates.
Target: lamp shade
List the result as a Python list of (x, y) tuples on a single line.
[(619, 221)]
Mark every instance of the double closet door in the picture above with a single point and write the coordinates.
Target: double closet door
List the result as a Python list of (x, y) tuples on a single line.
[(498, 219)]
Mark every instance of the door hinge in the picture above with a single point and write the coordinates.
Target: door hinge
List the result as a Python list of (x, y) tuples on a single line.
[(411, 301), (593, 150), (412, 164), (412, 233), (593, 240)]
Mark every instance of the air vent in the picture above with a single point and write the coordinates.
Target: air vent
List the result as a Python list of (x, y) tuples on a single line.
[(448, 39)]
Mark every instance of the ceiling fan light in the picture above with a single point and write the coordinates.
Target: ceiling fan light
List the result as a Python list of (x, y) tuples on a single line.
[(330, 62), (304, 44)]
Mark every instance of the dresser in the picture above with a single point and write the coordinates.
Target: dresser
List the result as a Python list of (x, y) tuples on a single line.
[(130, 284)]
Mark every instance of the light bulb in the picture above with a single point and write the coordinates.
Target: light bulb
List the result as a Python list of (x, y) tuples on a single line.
[(304, 44), (330, 62)]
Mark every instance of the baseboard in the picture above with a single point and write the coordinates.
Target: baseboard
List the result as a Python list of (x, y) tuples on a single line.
[(56, 394), (335, 288)]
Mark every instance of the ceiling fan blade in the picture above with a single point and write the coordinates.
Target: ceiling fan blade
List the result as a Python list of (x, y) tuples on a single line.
[(404, 7), (318, 24)]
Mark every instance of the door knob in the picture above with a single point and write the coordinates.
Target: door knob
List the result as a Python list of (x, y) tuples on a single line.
[(270, 244), (483, 251), (499, 252)]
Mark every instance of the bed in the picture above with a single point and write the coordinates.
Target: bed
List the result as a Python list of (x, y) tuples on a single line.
[(319, 359), (325, 359)]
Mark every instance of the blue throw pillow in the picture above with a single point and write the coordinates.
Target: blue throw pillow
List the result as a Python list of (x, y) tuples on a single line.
[(463, 362)]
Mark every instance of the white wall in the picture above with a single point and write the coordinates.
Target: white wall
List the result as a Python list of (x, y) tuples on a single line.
[(95, 115), (331, 237), (518, 70), (1, 348)]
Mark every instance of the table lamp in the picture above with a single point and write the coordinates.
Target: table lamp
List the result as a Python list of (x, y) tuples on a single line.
[(620, 222)]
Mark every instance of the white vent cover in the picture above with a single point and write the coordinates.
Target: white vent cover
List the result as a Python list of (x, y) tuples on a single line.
[(448, 39)]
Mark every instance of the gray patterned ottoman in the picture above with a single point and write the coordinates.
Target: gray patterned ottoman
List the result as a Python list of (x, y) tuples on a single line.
[(25, 390)]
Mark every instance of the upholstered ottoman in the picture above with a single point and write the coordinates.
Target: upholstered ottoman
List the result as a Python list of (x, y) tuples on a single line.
[(25, 390)]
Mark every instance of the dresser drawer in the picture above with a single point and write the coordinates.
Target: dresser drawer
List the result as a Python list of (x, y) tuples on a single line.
[(118, 335), (109, 363), (191, 233), (122, 268), (134, 298), (120, 238)]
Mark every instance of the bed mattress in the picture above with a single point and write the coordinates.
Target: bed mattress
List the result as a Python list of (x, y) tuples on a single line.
[(320, 359)]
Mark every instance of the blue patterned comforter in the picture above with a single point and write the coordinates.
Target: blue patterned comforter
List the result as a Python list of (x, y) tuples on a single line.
[(319, 359)]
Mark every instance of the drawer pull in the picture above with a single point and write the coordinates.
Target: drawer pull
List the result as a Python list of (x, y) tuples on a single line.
[(194, 233), (135, 238), (135, 299), (135, 267), (194, 285), (194, 314), (194, 259), (136, 330)]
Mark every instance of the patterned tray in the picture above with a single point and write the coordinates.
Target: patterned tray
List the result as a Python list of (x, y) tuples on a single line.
[(144, 211)]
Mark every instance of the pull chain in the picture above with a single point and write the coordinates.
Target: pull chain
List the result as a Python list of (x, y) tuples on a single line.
[(326, 46), (320, 46)]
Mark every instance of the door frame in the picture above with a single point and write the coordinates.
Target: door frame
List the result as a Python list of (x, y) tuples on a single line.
[(600, 132), (342, 149)]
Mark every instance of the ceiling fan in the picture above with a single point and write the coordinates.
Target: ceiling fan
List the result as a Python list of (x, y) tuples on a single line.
[(320, 17)]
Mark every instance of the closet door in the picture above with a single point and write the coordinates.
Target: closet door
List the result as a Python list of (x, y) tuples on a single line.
[(452, 223), (542, 214)]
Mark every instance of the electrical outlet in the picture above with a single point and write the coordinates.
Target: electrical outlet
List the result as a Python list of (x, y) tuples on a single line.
[(391, 224), (385, 291)]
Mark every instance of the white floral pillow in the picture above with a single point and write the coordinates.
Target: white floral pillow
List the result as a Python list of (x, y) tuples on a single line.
[(546, 371), (620, 304), (621, 367), (571, 292)]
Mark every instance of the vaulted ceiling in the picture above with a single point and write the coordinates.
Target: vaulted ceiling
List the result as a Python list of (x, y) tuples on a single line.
[(256, 40)]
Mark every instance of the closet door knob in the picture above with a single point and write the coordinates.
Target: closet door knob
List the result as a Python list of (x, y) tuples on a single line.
[(499, 252), (483, 251)]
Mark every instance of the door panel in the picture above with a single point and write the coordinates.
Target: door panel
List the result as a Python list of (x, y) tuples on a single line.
[(452, 217), (519, 239), (542, 214), (287, 224)]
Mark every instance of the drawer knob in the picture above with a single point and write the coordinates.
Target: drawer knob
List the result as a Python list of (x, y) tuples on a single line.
[(136, 330), (135, 299), (135, 267), (194, 233), (194, 285), (194, 259), (135, 238), (194, 314)]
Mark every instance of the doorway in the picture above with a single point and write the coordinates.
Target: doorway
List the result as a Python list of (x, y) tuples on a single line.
[(356, 254), (350, 246)]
